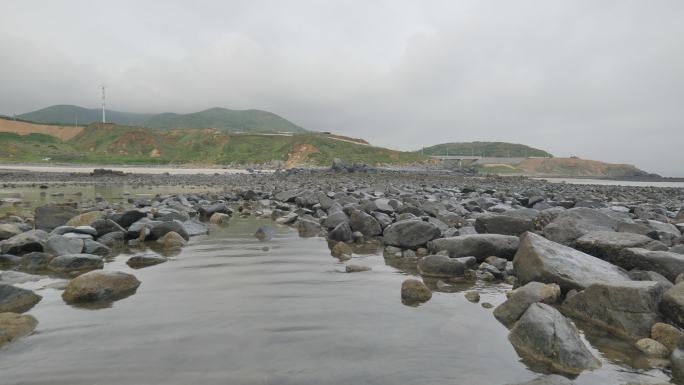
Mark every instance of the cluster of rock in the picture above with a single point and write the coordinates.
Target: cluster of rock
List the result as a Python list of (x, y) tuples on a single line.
[(609, 256)]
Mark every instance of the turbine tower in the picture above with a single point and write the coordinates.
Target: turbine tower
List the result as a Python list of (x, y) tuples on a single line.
[(104, 120)]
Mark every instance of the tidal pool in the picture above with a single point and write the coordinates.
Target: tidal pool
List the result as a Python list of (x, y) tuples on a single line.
[(226, 310)]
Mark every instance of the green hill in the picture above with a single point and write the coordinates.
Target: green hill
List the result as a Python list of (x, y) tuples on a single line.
[(219, 118), (111, 144), (485, 149)]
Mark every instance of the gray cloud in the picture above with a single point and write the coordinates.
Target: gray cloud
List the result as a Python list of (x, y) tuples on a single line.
[(601, 80)]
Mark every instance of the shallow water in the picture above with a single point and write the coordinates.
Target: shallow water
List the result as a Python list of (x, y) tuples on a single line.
[(225, 311)]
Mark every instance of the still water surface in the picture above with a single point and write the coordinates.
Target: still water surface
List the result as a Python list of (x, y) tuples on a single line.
[(227, 311)]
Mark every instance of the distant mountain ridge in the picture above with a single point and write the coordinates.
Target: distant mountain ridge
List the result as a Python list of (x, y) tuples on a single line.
[(486, 149), (222, 119)]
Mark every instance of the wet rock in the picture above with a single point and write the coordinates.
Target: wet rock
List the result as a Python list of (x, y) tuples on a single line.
[(487, 305), (9, 261), (542, 335), (414, 292), (667, 335), (342, 251), (626, 309), (60, 245), (551, 379), (479, 246), (265, 233), (94, 247), (172, 241), (159, 229), (106, 226), (207, 211), (410, 233), (113, 239), (335, 219), (127, 218), (472, 296), (652, 348), (356, 268), (15, 277), (145, 260), (34, 240), (539, 259), (75, 263), (14, 326), (100, 286), (35, 261), (642, 275), (364, 223), (53, 215), (665, 263), (194, 227), (672, 304), (341, 233), (16, 300), (510, 223), (441, 266), (607, 245), (574, 223), (520, 299), (8, 230), (85, 219), (219, 219), (308, 228)]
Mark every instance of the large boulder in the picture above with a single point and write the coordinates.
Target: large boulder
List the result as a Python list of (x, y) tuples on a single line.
[(100, 286), (441, 266), (16, 300), (607, 245), (129, 217), (479, 246), (8, 230), (334, 219), (341, 233), (668, 264), (672, 304), (51, 216), (60, 245), (308, 228), (539, 259), (364, 223), (521, 298), (75, 263), (172, 241), (626, 309), (33, 240), (410, 233), (207, 211), (574, 223), (507, 223), (543, 335), (85, 219), (159, 229), (106, 226), (13, 326)]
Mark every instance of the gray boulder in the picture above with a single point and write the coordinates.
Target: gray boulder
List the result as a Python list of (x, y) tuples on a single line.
[(113, 239), (574, 223), (33, 240), (507, 223), (100, 286), (60, 245), (341, 233), (626, 309), (207, 211), (607, 245), (8, 230), (539, 259), (159, 229), (672, 304), (145, 260), (334, 219), (480, 246), (364, 223), (105, 226), (308, 228), (127, 218), (666, 263), (195, 227), (442, 266), (16, 300), (521, 298), (75, 263), (543, 335), (94, 247), (35, 261), (410, 233), (51, 216)]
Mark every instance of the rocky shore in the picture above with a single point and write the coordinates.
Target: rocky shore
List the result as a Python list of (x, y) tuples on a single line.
[(607, 257)]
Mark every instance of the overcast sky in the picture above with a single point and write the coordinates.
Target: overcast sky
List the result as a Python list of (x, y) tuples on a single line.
[(597, 79)]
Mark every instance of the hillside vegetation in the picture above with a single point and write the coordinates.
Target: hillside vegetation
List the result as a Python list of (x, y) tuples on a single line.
[(485, 149), (219, 118), (111, 144)]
